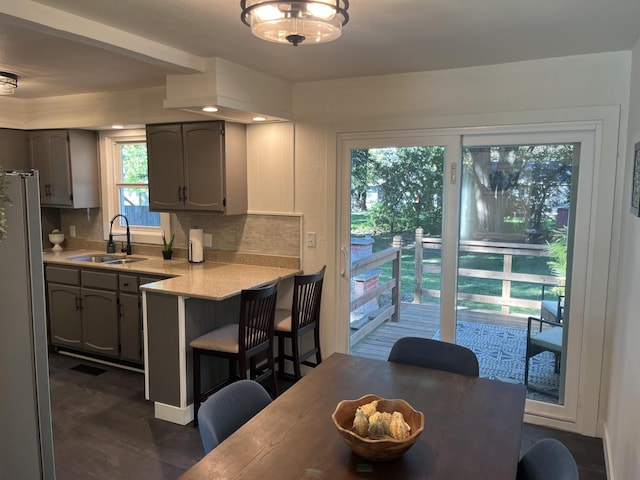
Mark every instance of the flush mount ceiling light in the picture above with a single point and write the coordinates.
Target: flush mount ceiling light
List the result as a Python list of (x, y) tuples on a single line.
[(8, 83), (295, 21)]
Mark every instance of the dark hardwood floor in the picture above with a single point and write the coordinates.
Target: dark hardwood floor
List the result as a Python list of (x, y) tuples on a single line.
[(105, 429)]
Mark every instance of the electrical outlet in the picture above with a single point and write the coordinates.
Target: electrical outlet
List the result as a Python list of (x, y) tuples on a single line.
[(207, 240), (72, 231), (311, 239)]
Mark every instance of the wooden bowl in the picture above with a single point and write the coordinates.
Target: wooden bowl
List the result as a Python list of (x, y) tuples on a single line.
[(384, 449)]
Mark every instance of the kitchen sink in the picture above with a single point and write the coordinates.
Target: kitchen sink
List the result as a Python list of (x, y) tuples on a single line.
[(110, 259), (125, 260)]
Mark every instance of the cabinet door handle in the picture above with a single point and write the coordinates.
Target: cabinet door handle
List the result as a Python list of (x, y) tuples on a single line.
[(184, 193), (179, 193)]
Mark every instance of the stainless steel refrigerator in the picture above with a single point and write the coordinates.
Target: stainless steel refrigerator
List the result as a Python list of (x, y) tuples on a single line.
[(26, 438)]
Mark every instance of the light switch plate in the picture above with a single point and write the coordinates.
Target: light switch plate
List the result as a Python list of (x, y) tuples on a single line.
[(311, 239), (207, 240)]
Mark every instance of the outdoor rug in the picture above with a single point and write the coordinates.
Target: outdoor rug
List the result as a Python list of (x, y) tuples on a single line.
[(501, 353)]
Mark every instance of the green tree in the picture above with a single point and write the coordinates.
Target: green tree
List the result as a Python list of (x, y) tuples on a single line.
[(546, 182), (134, 163), (410, 182), (361, 178), (524, 181), (494, 172)]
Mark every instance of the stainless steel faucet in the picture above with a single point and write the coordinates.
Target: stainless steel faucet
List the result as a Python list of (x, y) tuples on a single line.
[(111, 246)]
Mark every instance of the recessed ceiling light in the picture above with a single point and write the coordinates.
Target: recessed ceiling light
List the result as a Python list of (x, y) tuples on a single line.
[(209, 108), (259, 119), (117, 126)]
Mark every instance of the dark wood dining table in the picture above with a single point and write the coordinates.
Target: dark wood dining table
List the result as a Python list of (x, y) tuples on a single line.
[(473, 427)]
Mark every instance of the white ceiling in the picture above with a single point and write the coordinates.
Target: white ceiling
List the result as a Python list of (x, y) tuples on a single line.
[(61, 47)]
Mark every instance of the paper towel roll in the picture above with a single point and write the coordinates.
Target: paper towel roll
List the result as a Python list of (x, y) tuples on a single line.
[(196, 243)]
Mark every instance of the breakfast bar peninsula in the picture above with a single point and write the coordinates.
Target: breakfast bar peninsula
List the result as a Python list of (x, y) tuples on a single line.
[(180, 309)]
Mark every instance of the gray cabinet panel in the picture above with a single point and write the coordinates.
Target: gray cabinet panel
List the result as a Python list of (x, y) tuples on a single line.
[(65, 317), (68, 164), (203, 173), (166, 173), (94, 279), (198, 166), (163, 349), (130, 327), (128, 283), (99, 321), (70, 276)]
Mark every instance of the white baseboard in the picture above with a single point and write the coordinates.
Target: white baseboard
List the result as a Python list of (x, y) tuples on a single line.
[(173, 414), (608, 459)]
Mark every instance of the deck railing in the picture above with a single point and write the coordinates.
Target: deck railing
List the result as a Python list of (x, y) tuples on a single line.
[(507, 250), (387, 292)]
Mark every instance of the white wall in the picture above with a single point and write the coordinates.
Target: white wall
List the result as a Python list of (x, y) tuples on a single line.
[(623, 412), (540, 91)]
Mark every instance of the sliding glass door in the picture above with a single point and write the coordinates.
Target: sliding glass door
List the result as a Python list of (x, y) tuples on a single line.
[(482, 254), (397, 189), (515, 231)]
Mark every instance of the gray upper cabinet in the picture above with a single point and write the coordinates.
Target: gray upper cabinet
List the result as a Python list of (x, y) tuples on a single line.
[(198, 166), (68, 164)]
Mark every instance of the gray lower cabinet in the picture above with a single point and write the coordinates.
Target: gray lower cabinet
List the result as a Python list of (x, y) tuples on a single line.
[(130, 328), (65, 317), (96, 311), (100, 322)]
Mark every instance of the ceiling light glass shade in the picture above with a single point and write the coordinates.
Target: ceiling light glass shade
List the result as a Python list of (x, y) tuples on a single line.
[(8, 83), (295, 21)]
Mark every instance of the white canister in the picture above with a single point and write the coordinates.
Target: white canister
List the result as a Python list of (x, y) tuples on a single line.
[(196, 245)]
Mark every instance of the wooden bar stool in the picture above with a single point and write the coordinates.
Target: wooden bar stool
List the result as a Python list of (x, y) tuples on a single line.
[(303, 317), (242, 343)]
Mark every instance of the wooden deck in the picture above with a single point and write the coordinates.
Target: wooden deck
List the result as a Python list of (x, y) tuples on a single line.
[(422, 320)]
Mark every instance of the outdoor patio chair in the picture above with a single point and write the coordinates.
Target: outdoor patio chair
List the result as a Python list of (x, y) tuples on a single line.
[(545, 336), (435, 354), (547, 459), (228, 409), (551, 310)]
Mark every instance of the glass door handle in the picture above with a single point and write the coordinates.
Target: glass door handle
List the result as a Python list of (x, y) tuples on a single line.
[(344, 270)]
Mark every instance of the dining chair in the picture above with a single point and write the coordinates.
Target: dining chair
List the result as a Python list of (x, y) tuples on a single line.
[(228, 409), (547, 459), (243, 344), (436, 354), (539, 339), (302, 317)]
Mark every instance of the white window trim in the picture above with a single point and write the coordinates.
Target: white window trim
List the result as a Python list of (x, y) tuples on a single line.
[(108, 142)]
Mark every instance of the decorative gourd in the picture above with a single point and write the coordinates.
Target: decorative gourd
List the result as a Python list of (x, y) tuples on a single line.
[(378, 426), (369, 409), (360, 423), (398, 428)]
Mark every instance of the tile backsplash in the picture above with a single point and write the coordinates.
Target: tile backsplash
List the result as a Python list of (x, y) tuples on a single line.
[(263, 235)]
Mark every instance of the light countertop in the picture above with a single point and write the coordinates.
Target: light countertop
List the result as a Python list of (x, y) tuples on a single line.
[(208, 280)]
